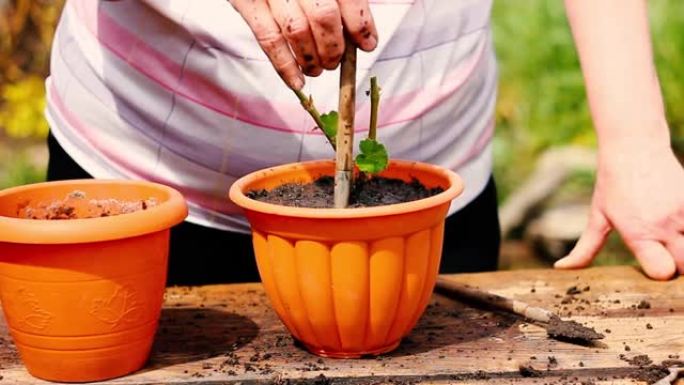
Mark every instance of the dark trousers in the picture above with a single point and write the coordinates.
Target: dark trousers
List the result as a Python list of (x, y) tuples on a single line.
[(202, 255)]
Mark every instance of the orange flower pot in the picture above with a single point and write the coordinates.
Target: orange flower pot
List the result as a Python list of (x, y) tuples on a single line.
[(82, 297), (348, 282)]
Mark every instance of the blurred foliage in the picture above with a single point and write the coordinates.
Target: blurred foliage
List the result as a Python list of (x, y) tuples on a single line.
[(26, 32), (542, 101), (667, 24), (20, 171), (22, 113)]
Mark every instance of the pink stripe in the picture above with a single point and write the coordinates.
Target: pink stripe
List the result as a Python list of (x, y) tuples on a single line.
[(412, 105), (131, 170), (253, 110), (166, 72), (480, 143)]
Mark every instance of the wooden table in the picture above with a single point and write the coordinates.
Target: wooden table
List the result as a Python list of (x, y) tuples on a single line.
[(228, 333)]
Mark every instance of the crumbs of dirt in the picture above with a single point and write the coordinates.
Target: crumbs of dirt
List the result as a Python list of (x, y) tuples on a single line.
[(673, 363), (529, 371), (640, 360), (553, 362), (477, 375), (573, 290), (366, 192), (648, 372), (651, 374), (76, 205), (571, 330)]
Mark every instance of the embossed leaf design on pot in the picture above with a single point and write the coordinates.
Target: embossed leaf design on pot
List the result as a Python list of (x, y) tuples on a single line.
[(32, 314), (120, 307)]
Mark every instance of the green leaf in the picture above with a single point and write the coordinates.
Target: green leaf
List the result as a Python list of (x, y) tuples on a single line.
[(373, 157), (330, 123)]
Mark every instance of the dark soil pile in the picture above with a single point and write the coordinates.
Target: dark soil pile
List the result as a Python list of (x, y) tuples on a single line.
[(571, 330), (77, 206), (366, 192)]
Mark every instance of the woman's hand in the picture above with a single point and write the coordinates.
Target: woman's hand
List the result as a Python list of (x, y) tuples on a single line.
[(305, 36), (641, 194), (640, 184)]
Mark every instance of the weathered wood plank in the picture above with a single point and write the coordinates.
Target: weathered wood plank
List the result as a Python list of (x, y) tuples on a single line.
[(227, 333)]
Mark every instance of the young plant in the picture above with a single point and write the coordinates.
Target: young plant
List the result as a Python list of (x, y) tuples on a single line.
[(373, 157), (339, 129)]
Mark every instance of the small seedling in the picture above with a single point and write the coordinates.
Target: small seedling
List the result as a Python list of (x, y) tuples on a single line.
[(338, 128), (372, 157)]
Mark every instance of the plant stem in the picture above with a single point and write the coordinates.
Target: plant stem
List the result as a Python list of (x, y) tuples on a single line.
[(307, 103), (344, 161), (375, 102)]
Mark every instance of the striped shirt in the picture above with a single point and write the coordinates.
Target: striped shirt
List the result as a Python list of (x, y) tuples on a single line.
[(166, 91)]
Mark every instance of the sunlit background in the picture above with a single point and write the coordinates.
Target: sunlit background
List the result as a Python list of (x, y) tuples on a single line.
[(544, 146)]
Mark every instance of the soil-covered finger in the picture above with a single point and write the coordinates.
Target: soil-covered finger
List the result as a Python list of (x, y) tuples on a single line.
[(326, 26), (295, 27), (258, 16), (358, 20)]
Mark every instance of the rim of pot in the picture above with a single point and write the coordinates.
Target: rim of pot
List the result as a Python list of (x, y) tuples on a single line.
[(171, 210), (237, 194)]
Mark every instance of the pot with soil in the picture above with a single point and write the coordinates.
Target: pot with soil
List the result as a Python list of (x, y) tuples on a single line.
[(348, 282), (82, 273)]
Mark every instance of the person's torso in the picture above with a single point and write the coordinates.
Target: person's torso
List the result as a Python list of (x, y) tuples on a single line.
[(178, 92)]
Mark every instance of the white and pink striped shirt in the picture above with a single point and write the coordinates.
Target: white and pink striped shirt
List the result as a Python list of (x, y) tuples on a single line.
[(179, 92)]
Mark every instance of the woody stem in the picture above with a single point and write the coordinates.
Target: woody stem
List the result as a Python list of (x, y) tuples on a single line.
[(307, 103)]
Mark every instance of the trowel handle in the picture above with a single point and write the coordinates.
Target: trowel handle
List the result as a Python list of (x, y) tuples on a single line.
[(459, 291)]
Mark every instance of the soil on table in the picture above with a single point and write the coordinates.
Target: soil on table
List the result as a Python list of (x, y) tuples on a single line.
[(76, 205), (366, 192), (651, 374), (571, 330)]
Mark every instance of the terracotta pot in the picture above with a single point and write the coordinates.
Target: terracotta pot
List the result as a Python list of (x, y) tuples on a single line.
[(348, 282), (82, 297)]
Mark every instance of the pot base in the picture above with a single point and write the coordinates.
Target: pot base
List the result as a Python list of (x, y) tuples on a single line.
[(86, 366), (334, 354)]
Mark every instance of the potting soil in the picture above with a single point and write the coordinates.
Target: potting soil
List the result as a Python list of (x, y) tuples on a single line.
[(366, 192), (76, 205)]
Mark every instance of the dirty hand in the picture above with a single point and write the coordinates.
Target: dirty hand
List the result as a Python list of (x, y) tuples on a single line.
[(640, 194), (305, 36)]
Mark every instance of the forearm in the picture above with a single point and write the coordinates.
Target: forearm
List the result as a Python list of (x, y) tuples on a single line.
[(613, 42)]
